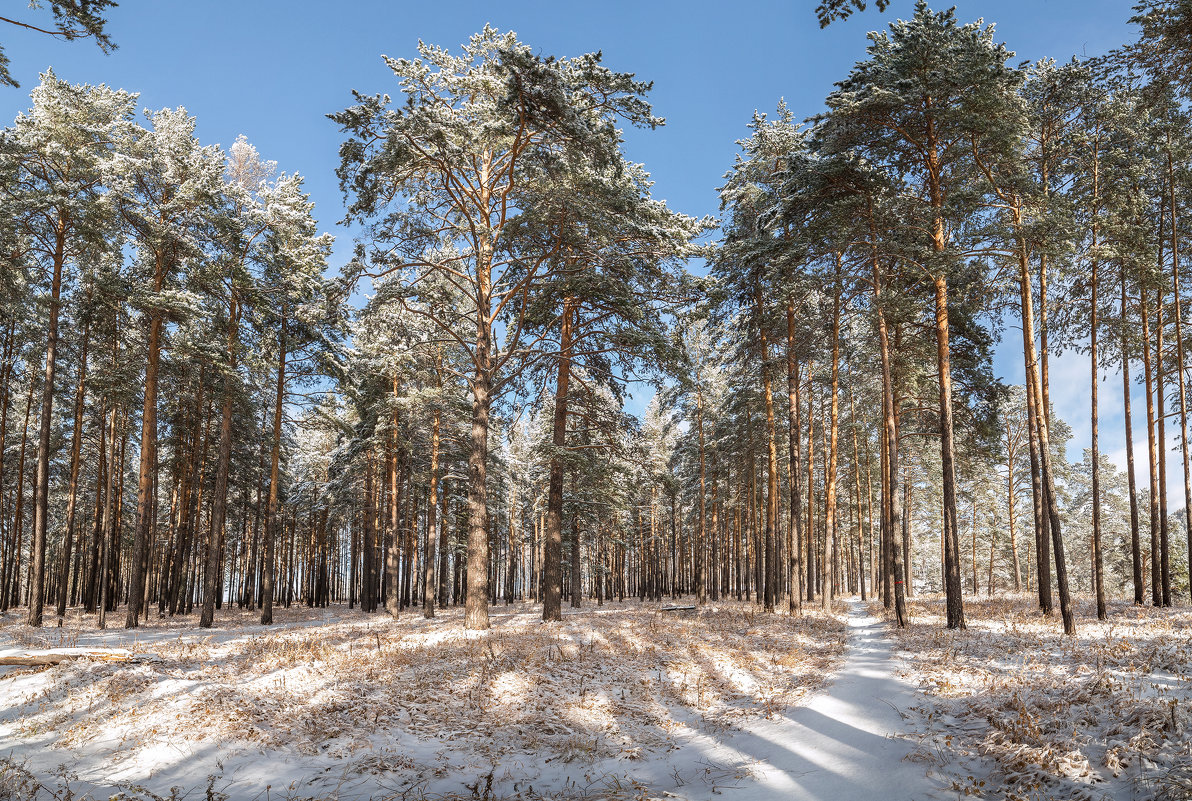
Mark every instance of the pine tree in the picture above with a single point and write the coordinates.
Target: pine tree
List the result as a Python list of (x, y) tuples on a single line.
[(934, 101), (484, 120), (61, 155), (166, 201)]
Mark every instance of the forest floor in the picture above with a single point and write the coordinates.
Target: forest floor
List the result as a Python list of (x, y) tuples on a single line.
[(1013, 709), (622, 701)]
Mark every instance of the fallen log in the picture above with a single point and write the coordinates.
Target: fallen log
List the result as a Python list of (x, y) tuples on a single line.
[(49, 657), (677, 609)]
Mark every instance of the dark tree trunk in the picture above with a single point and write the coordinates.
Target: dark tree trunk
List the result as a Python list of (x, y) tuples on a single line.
[(552, 556), (212, 577), (37, 583)]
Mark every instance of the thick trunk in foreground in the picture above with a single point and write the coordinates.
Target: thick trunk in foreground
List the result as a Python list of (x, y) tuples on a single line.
[(476, 597)]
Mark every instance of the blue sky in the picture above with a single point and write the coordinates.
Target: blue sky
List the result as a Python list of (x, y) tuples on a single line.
[(272, 70)]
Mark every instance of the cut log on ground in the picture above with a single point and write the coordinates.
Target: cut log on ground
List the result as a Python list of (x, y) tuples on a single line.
[(56, 656)]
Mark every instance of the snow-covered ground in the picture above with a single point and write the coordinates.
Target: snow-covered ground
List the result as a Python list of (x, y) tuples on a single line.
[(1013, 709), (620, 701), (617, 702)]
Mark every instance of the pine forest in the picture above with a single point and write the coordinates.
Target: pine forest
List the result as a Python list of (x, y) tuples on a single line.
[(506, 471)]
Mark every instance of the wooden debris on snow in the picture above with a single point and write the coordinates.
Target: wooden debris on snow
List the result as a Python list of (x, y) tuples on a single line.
[(56, 656)]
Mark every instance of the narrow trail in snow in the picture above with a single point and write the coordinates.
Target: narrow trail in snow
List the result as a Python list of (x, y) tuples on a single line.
[(843, 744)]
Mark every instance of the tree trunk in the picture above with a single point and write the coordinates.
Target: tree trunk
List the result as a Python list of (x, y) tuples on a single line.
[(76, 440), (10, 591), (1011, 452), (577, 583), (1180, 378), (795, 532), (148, 463), (476, 598), (1161, 436), (833, 449), (770, 546), (212, 578), (42, 480), (1042, 548), (368, 538), (1152, 454), (1135, 541), (701, 560), (1050, 504), (952, 582), (269, 567), (552, 556), (428, 595), (891, 554), (1095, 452)]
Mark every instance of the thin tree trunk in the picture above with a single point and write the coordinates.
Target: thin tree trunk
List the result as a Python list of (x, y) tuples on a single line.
[(833, 449), (1095, 452), (428, 595), (952, 583), (268, 568), (42, 479), (1180, 378), (11, 589), (1035, 386), (770, 597), (701, 562), (212, 578), (76, 440), (1152, 454), (795, 530), (852, 410), (1135, 541), (891, 504), (1011, 452), (1161, 435), (552, 557), (148, 462)]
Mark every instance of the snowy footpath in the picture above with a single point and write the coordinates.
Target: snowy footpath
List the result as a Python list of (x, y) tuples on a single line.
[(843, 744)]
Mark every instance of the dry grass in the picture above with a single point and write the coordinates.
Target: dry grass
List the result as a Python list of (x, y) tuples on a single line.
[(614, 682), (1105, 714)]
